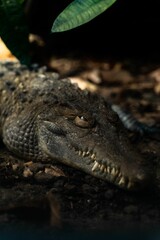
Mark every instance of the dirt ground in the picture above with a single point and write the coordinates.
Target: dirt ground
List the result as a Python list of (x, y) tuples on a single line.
[(36, 199)]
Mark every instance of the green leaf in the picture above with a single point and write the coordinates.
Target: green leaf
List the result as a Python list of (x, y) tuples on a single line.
[(14, 30), (79, 12)]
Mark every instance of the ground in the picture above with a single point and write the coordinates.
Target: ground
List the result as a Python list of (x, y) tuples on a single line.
[(39, 198)]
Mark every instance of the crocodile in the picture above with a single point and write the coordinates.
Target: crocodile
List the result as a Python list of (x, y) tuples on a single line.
[(45, 118)]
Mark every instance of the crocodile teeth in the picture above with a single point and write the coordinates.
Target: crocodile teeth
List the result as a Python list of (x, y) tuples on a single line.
[(83, 154), (117, 172), (129, 185), (102, 167), (122, 181), (120, 175), (108, 169), (95, 166), (113, 171), (93, 156), (80, 153), (87, 153)]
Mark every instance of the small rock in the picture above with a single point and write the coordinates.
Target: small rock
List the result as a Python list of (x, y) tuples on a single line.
[(131, 209), (43, 177), (35, 167), (15, 166), (27, 173), (54, 171)]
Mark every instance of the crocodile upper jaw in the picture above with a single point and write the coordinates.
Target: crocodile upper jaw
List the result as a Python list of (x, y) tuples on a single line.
[(122, 169)]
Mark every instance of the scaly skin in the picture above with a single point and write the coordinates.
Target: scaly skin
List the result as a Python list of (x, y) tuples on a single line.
[(46, 119)]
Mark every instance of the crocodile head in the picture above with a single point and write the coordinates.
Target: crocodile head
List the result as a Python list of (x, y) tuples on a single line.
[(89, 136)]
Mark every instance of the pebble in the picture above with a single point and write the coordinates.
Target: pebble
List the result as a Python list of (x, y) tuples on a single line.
[(131, 209)]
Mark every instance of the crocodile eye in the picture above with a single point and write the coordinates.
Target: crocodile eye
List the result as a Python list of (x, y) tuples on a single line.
[(83, 122)]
